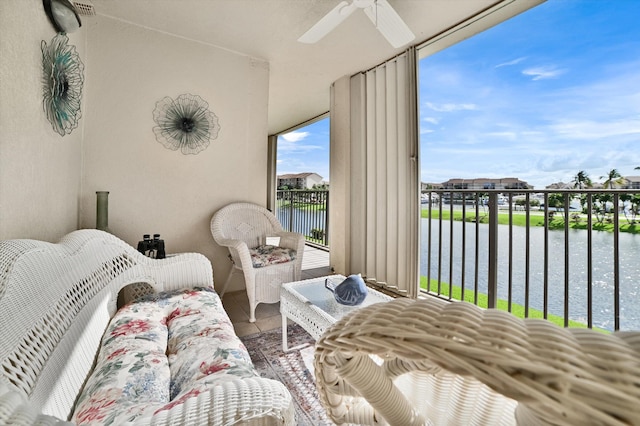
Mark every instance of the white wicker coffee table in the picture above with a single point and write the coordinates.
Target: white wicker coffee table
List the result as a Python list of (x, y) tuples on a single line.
[(309, 304)]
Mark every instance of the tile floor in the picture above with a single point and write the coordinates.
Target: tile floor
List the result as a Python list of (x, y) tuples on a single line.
[(315, 263)]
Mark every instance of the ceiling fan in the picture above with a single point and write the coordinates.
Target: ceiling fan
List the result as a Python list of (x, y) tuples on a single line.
[(383, 16)]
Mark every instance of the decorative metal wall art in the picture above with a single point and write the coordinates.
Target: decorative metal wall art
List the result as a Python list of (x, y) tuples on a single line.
[(185, 123), (63, 77)]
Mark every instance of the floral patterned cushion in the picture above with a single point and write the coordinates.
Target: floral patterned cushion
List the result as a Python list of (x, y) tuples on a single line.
[(265, 255), (159, 351)]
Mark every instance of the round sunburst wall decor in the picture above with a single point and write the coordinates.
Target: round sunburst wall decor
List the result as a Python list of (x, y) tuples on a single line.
[(63, 77), (185, 123)]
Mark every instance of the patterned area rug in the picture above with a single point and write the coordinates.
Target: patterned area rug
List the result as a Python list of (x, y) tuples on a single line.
[(293, 368)]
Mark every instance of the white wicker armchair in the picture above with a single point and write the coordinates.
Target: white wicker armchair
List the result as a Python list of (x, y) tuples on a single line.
[(243, 228), (445, 363)]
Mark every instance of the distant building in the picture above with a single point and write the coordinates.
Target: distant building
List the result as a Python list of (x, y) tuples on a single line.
[(300, 180), (631, 182), (484, 183), (426, 186)]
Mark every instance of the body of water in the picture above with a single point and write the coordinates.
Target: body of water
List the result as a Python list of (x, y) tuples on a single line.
[(303, 220), (602, 269)]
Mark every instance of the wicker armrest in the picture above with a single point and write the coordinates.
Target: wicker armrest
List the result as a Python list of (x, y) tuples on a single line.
[(239, 251), (292, 240), (254, 401), (182, 270), (16, 410), (470, 366)]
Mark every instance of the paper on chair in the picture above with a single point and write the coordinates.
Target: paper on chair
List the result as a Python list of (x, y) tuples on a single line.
[(272, 241)]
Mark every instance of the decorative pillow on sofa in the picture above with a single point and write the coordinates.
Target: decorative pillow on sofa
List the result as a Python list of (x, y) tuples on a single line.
[(158, 352), (202, 346)]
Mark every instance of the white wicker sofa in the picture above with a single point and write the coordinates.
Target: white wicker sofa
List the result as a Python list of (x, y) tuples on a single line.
[(56, 305)]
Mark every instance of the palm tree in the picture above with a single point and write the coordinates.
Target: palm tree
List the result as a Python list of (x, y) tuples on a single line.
[(582, 180), (613, 178)]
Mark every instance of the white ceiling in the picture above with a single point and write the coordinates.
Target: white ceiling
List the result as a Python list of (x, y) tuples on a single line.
[(300, 74)]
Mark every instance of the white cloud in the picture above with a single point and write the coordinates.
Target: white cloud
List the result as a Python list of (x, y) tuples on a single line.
[(291, 148), (541, 73), (291, 143), (595, 130), (450, 107), (431, 120), (295, 136), (513, 62)]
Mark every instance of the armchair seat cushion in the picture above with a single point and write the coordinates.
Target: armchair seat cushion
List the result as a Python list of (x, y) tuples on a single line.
[(266, 255)]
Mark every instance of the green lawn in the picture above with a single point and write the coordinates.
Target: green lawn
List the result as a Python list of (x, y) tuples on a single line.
[(516, 309), (536, 218), (302, 206)]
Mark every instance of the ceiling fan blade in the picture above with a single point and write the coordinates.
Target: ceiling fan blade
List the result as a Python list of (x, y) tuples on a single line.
[(325, 25), (389, 23)]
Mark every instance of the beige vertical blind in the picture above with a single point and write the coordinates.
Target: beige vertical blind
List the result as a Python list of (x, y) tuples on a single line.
[(385, 174)]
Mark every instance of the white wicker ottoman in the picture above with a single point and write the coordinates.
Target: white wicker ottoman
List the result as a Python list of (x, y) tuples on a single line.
[(309, 304)]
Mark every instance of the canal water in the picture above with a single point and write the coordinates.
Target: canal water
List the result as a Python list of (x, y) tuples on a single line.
[(303, 220), (602, 269)]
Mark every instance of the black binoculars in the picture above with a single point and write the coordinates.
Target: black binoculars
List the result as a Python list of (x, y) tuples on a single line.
[(152, 247)]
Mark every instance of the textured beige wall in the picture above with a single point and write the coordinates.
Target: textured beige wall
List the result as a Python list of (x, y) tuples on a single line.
[(153, 189), (39, 169)]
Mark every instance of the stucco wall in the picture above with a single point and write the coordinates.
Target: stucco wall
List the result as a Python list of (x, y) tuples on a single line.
[(153, 189), (39, 169)]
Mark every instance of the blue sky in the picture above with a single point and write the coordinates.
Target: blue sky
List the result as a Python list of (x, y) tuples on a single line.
[(305, 150), (551, 92)]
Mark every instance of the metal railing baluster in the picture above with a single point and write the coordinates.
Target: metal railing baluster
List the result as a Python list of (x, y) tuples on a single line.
[(492, 273)]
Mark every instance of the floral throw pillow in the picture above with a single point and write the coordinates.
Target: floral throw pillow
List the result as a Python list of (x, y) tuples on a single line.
[(159, 351)]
